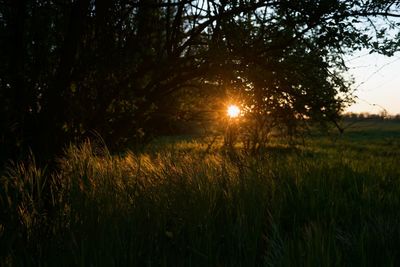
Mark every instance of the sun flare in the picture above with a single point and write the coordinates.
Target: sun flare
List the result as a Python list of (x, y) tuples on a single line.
[(233, 111)]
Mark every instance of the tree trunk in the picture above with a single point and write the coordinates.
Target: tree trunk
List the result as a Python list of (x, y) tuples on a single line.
[(54, 119)]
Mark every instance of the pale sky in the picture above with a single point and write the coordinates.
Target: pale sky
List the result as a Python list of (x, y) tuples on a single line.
[(377, 82)]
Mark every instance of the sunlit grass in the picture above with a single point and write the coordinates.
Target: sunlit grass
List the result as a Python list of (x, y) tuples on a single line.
[(331, 202)]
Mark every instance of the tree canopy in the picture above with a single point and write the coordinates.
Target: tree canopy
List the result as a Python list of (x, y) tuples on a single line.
[(125, 69)]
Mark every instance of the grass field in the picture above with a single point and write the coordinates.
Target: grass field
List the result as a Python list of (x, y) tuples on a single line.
[(334, 201)]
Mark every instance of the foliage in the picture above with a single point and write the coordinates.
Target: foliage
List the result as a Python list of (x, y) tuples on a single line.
[(327, 204), (73, 68)]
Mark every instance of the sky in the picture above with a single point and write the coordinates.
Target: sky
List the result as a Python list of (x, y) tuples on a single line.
[(377, 82)]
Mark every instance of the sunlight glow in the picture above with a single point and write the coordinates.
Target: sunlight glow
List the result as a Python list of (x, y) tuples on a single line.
[(233, 111)]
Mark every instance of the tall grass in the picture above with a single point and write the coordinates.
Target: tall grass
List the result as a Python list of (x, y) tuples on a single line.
[(327, 204)]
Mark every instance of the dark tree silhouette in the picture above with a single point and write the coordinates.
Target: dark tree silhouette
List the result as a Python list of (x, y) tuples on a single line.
[(127, 68)]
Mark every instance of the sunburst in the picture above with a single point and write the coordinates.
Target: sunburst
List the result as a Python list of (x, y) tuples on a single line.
[(233, 111)]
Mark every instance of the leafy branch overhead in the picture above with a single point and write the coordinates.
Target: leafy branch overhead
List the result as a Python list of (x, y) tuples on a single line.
[(126, 69)]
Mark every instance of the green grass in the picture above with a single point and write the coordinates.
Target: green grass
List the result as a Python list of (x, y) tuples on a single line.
[(333, 202)]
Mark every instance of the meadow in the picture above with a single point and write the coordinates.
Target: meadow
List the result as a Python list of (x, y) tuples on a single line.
[(332, 200)]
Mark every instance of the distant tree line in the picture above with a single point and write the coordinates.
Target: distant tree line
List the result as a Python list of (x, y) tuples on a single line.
[(372, 116), (128, 70)]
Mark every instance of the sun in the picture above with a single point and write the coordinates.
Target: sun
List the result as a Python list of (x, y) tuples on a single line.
[(233, 111)]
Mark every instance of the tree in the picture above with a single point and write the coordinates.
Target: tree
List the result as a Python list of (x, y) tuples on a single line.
[(71, 68), (293, 71)]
